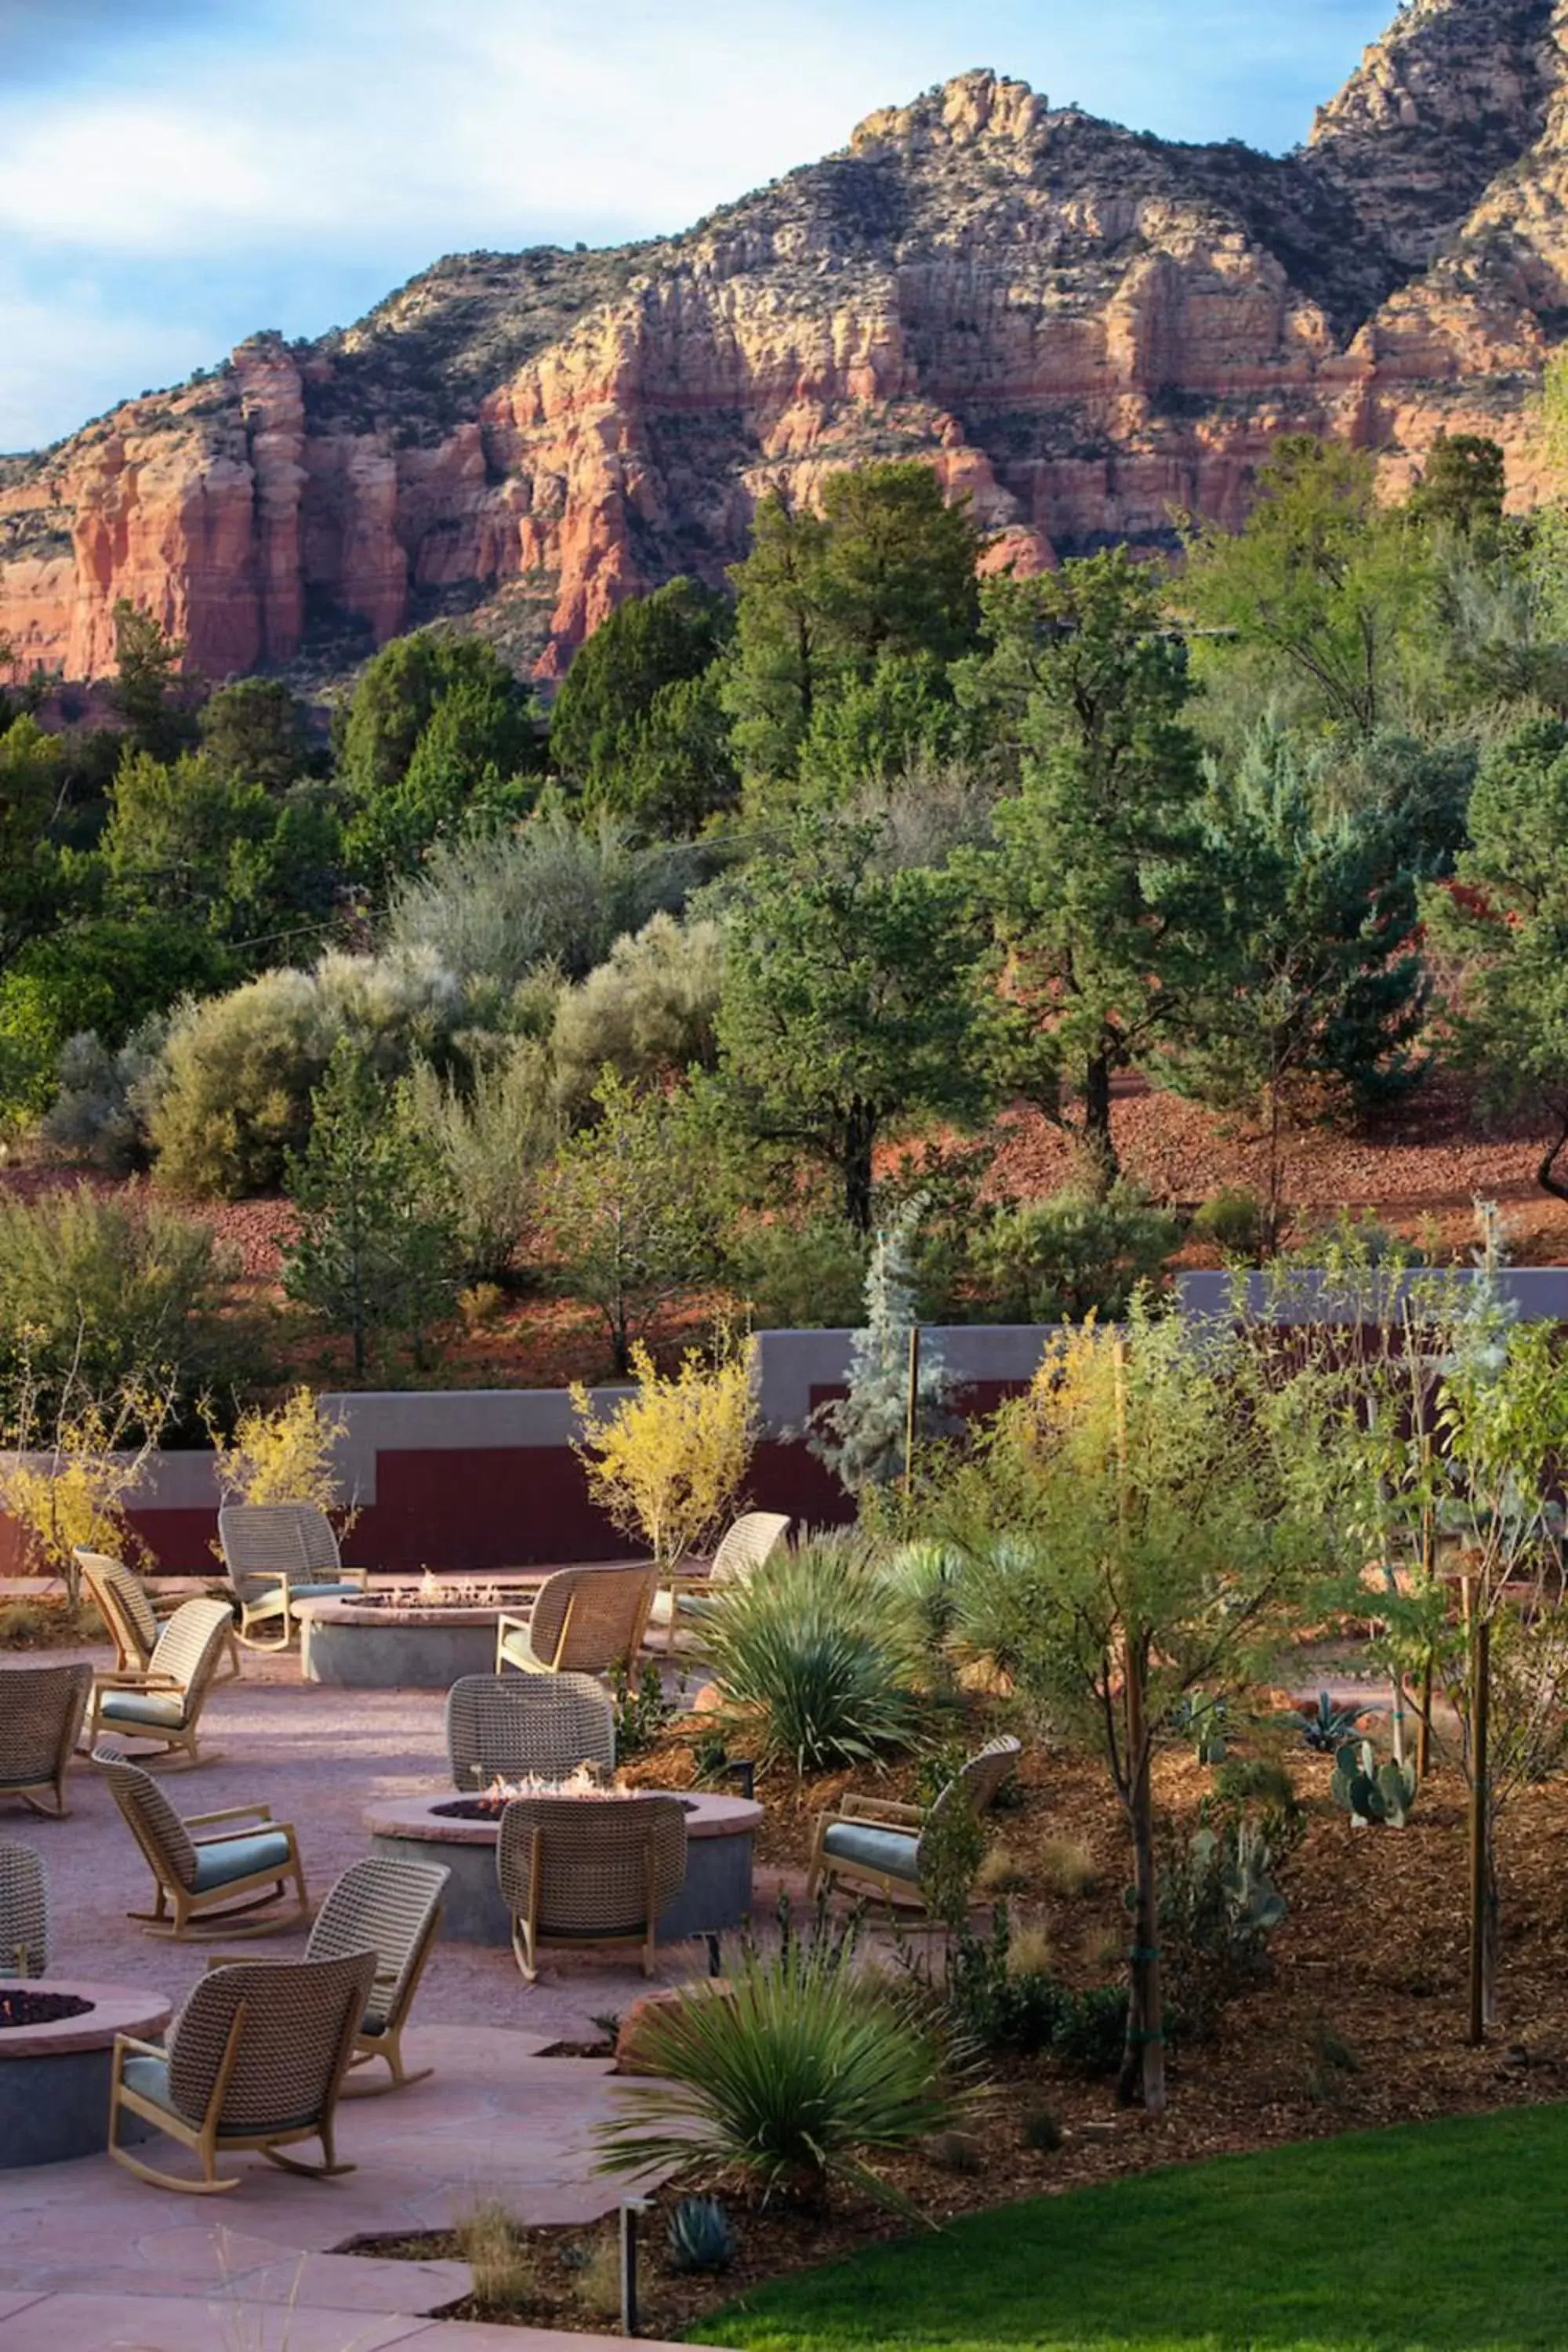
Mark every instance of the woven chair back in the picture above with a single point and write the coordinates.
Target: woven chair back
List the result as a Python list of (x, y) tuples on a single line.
[(24, 1912), (190, 1647), (588, 1621), (41, 1708), (300, 2018), (523, 1727), (387, 1907), (150, 1818), (975, 1783), (753, 1538), (260, 1540), (597, 1858), (122, 1602)]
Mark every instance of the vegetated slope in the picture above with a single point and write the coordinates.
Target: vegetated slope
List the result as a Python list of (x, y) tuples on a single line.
[(1081, 326)]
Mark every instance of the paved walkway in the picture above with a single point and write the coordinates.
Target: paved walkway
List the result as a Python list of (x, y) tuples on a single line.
[(93, 2260)]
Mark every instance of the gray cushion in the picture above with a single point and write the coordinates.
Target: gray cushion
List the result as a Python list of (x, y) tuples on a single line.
[(236, 1857), (150, 2078), (325, 1593), (161, 1710), (892, 1852)]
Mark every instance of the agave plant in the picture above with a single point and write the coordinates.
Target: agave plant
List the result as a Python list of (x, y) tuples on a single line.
[(796, 2074), (818, 1654), (1328, 1726)]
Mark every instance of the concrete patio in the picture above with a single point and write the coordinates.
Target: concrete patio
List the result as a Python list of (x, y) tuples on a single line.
[(93, 2260)]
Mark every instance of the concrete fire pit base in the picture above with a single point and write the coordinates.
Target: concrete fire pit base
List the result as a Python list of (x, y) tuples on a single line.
[(717, 1895), (53, 2078), (398, 1645)]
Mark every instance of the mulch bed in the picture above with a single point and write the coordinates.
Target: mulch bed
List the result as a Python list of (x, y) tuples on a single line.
[(1361, 2022)]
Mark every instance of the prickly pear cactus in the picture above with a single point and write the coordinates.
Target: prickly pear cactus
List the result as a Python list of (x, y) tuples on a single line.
[(1369, 1792)]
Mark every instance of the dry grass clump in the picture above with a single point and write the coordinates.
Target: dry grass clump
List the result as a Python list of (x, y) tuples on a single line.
[(1067, 1868), (500, 2257), (1001, 1873)]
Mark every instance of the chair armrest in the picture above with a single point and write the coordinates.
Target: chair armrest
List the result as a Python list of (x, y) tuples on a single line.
[(136, 1678), (237, 1959), (360, 1576), (505, 1617), (229, 1813), (134, 2041), (879, 1809)]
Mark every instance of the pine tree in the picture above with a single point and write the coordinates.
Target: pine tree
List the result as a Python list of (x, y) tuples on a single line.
[(864, 1437)]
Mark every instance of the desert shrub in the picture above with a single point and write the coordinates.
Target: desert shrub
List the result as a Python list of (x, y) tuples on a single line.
[(1000, 1993), (233, 1087), (74, 1454), (1218, 1906), (1232, 1220), (284, 1456), (100, 1112), (493, 910), (797, 2076), (498, 2253), (1056, 1261), (668, 1461), (929, 1575), (494, 1140), (647, 1012), (95, 1291), (799, 1273), (816, 1655), (1065, 1867), (481, 1305)]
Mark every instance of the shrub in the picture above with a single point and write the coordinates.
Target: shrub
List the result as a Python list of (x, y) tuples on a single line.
[(865, 1436), (647, 1013), (100, 1113), (794, 2077), (668, 1462), (74, 1456), (282, 1456), (481, 1305), (494, 1141), (799, 1273), (493, 910), (232, 1095), (1000, 1995), (817, 1654), (1040, 2130), (94, 1292), (1059, 1260), (1232, 1220)]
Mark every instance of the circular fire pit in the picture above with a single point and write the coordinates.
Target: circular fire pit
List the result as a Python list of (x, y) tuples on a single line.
[(53, 2070), (717, 1893), (413, 1638)]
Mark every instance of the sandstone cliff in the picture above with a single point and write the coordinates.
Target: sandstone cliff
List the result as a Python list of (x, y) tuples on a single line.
[(1081, 327)]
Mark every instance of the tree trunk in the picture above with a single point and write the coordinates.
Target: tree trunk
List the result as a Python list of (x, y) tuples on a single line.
[(1144, 2060), (859, 1138), (1099, 1144), (1481, 1892)]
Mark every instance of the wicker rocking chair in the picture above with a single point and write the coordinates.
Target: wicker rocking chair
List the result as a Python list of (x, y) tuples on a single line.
[(584, 1620), (227, 1876), (871, 1842), (127, 1610), (527, 1727), (589, 1870), (750, 1543), (41, 1711), (276, 1554), (24, 1913), (255, 2059), (392, 1909), (163, 1700)]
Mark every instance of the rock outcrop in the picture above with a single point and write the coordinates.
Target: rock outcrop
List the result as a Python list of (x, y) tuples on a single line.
[(1083, 329)]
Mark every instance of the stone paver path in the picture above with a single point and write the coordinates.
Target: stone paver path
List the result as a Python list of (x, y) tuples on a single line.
[(93, 2260)]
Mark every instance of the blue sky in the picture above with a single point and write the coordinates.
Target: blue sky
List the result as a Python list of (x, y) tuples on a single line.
[(177, 173)]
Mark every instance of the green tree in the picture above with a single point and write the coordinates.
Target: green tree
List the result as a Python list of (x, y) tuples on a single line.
[(440, 731), (374, 1254), (1336, 591), (885, 574), (1503, 923), (147, 691), (636, 725), (1462, 485), (632, 1213), (189, 839), (850, 999), (32, 794), (257, 732), (1104, 918)]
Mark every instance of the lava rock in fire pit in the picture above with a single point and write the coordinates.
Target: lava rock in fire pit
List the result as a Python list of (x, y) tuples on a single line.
[(23, 2008)]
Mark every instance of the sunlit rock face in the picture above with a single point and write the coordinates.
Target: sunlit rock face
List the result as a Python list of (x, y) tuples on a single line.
[(1085, 330)]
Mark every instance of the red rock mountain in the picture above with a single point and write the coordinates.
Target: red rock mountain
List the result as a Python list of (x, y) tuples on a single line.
[(1081, 326)]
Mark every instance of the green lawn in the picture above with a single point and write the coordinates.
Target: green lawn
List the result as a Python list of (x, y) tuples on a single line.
[(1447, 2237)]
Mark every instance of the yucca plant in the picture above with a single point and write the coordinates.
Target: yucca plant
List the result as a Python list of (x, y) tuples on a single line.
[(796, 2075), (817, 1654)]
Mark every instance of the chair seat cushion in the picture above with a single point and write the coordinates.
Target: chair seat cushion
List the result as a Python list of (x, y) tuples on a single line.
[(893, 1854), (149, 2078), (325, 1591), (159, 1710), (518, 1649), (238, 1857)]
